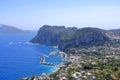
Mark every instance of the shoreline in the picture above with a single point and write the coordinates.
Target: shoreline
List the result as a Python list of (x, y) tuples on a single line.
[(57, 67), (54, 68)]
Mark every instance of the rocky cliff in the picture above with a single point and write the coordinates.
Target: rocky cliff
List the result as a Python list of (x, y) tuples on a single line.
[(69, 37), (52, 35)]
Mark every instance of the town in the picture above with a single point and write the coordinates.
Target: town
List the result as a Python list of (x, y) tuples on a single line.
[(87, 63)]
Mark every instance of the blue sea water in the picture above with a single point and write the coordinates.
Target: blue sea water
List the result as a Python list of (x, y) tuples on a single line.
[(19, 59)]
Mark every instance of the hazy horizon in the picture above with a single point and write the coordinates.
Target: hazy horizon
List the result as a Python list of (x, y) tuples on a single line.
[(29, 14)]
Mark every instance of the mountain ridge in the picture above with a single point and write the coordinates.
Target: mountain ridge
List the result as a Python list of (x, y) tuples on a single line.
[(70, 37)]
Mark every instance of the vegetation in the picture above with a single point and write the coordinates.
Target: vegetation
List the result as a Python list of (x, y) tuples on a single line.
[(92, 53)]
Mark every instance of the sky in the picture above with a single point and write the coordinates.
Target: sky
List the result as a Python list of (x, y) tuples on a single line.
[(32, 14)]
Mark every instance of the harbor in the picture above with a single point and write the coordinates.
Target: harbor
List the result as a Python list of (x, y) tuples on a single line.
[(43, 61)]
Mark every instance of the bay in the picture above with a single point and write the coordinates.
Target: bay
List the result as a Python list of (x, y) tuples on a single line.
[(19, 59)]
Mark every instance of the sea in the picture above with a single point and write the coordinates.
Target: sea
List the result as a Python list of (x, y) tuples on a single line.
[(19, 59)]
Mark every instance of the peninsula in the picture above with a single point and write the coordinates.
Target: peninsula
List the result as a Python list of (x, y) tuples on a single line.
[(10, 29)]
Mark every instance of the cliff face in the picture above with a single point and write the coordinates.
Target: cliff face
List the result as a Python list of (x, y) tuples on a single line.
[(83, 40), (68, 37), (48, 35), (52, 35), (47, 38)]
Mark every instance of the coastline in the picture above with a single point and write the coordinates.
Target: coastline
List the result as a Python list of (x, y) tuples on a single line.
[(52, 69), (63, 57), (57, 67)]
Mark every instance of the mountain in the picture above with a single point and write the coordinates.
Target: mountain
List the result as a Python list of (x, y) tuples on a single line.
[(114, 34), (10, 29), (115, 31), (52, 35), (70, 37)]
